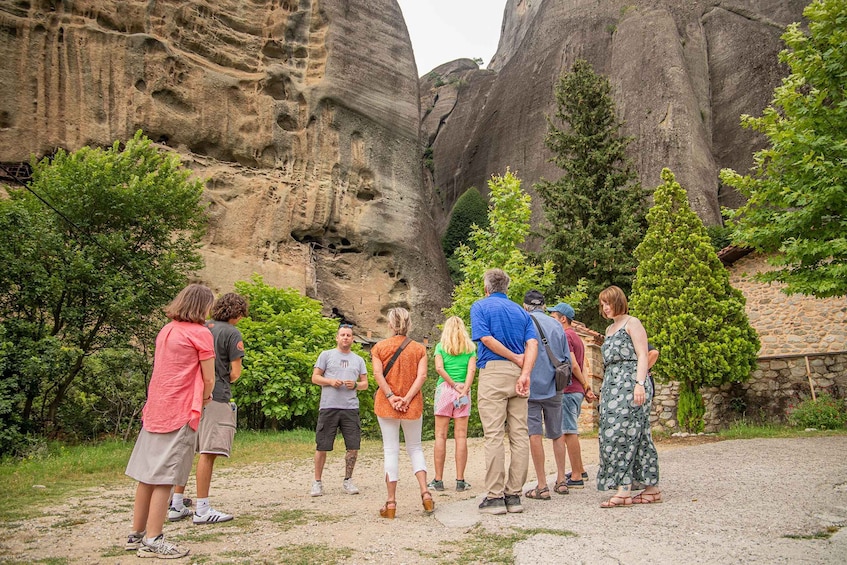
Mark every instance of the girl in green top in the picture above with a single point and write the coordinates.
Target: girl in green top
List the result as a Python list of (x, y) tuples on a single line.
[(455, 363)]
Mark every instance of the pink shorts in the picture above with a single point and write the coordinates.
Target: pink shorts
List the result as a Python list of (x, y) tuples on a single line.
[(444, 397)]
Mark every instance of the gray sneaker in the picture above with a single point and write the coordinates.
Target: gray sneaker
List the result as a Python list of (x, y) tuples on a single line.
[(492, 506), (175, 515), (436, 485), (317, 489), (513, 503), (462, 485), (350, 487), (133, 541), (160, 549)]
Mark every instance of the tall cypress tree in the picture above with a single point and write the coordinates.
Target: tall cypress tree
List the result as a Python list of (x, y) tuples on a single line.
[(681, 293), (595, 211)]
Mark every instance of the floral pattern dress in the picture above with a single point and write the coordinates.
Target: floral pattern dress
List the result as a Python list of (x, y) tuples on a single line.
[(627, 453)]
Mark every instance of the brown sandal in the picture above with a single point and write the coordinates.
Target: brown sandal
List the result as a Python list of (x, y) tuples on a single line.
[(610, 503), (655, 498), (389, 510), (428, 503)]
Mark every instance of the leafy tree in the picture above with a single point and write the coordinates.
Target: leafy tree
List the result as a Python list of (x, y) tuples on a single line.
[(98, 243), (283, 336), (682, 295), (595, 211), (797, 189), (498, 246), (469, 210)]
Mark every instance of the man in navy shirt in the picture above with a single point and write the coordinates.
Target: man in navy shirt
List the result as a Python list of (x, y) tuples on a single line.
[(505, 356)]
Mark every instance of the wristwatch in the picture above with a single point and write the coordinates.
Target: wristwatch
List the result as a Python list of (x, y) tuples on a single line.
[(389, 394), (640, 382)]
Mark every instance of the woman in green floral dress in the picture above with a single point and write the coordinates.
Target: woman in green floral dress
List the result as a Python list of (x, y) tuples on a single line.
[(628, 458)]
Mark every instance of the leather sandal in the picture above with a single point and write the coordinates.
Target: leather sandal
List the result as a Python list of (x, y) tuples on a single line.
[(617, 502), (428, 503), (389, 509), (654, 498), (561, 487), (538, 493)]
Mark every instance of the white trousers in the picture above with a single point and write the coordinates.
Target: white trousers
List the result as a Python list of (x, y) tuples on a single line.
[(391, 444)]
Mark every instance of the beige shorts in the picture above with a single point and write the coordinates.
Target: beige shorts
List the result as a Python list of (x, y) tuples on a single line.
[(217, 428), (162, 459)]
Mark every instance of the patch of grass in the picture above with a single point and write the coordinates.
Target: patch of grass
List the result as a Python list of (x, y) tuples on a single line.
[(822, 534), (747, 430), (237, 553), (115, 551), (64, 469), (313, 554), (201, 534), (288, 519), (482, 546), (69, 523)]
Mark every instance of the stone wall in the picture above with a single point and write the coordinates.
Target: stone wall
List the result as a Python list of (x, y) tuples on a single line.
[(589, 417), (777, 385)]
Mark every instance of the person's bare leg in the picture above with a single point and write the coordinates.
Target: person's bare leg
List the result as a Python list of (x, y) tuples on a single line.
[(559, 457), (320, 461), (460, 437), (442, 425), (141, 508), (349, 463), (536, 450), (574, 456), (157, 510), (205, 465)]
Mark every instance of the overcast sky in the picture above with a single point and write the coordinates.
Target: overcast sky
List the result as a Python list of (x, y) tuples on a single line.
[(444, 30)]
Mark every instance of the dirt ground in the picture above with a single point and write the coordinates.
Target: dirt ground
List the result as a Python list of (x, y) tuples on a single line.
[(740, 501)]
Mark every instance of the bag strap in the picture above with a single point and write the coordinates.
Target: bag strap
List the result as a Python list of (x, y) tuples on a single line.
[(544, 341), (395, 356)]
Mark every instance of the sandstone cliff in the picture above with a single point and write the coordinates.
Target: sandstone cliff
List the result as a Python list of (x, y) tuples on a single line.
[(682, 74), (303, 115)]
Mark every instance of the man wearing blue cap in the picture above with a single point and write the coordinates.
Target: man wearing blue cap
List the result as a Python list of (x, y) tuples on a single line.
[(573, 395)]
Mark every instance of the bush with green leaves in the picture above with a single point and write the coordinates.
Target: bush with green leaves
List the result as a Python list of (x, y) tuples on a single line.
[(797, 189), (498, 246), (470, 210), (92, 250), (681, 293), (824, 413), (283, 337)]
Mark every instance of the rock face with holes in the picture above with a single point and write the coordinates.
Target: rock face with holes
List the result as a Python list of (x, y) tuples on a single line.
[(682, 73), (303, 115)]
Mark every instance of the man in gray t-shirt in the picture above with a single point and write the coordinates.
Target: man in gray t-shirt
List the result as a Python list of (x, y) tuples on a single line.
[(340, 373)]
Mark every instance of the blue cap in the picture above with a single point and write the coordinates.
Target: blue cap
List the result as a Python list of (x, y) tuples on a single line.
[(564, 309)]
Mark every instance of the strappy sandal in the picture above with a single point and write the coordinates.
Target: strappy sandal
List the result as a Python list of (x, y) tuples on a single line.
[(389, 509), (655, 498), (538, 493), (428, 503), (561, 487), (610, 503)]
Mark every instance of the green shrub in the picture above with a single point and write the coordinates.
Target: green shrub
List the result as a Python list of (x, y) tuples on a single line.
[(825, 413)]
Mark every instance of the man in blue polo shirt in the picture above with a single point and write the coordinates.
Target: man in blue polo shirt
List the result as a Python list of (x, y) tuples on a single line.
[(505, 356)]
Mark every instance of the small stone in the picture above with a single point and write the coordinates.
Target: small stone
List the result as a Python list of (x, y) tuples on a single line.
[(38, 486), (811, 429)]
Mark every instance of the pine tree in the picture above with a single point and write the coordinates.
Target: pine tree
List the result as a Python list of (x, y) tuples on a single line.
[(470, 209), (595, 211), (797, 190), (498, 246), (681, 293)]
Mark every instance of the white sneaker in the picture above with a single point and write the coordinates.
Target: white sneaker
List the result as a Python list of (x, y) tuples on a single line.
[(160, 549), (349, 487), (212, 517), (175, 515), (317, 488)]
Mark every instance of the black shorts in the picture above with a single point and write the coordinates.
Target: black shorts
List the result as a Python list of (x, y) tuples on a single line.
[(330, 420)]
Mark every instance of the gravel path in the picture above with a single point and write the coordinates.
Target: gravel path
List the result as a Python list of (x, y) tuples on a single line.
[(725, 502)]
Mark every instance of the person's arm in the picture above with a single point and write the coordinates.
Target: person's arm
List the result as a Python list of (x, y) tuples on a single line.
[(581, 378), (319, 379), (465, 388), (207, 368), (439, 368), (494, 345), (652, 357), (235, 370), (362, 383), (418, 384), (529, 357), (639, 340)]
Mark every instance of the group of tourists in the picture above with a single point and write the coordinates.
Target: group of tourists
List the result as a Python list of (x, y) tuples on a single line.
[(516, 351)]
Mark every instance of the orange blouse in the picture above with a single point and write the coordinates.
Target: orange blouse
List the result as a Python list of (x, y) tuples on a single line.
[(400, 378)]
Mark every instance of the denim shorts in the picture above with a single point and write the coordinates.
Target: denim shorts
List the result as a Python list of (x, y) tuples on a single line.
[(571, 407), (548, 409)]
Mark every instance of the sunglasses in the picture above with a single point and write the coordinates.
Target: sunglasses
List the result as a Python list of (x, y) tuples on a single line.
[(345, 326)]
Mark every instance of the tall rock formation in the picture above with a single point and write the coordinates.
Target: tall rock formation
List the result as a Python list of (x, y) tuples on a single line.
[(682, 75), (303, 115)]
